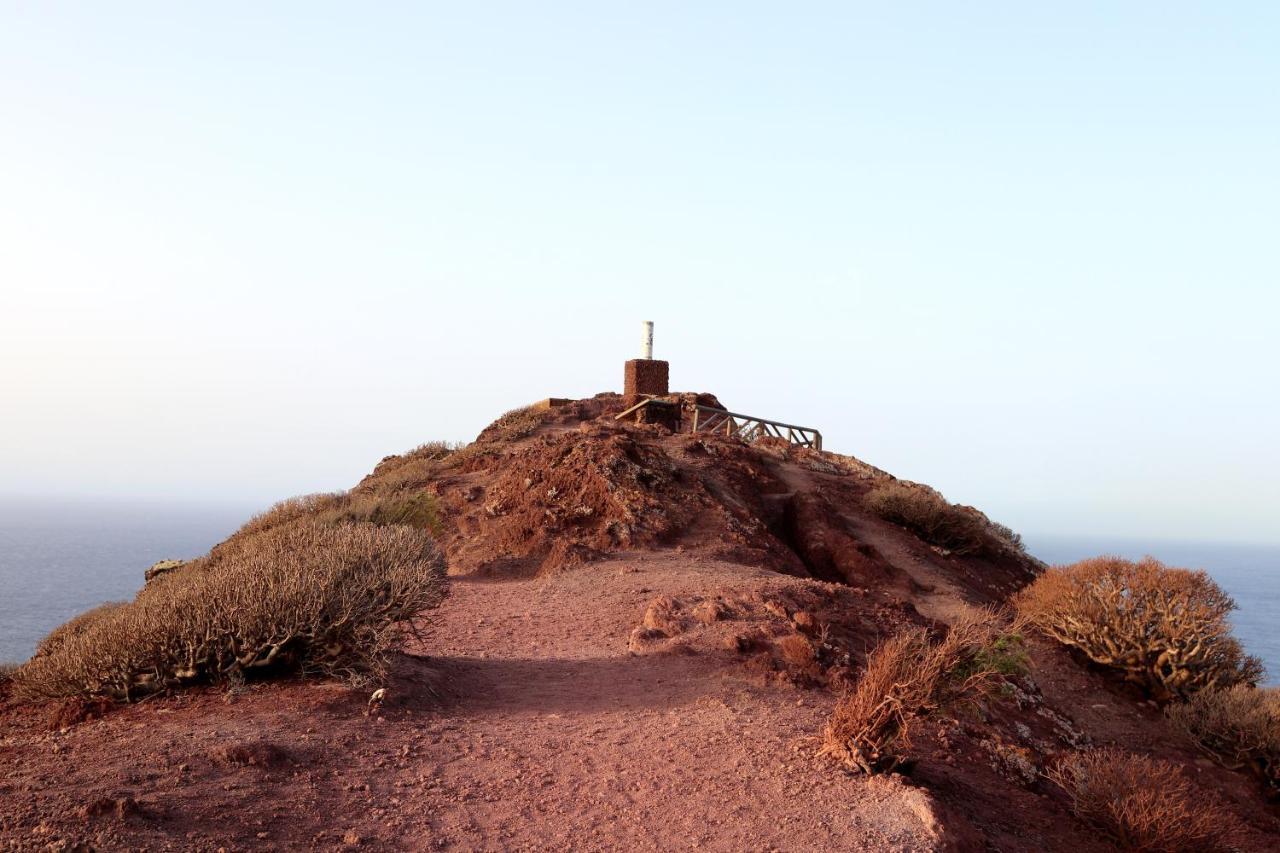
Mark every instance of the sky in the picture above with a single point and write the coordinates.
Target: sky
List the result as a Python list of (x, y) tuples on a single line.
[(1026, 253)]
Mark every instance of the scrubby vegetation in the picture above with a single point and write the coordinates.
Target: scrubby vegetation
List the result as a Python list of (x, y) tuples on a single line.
[(1165, 629), (907, 677), (418, 510), (413, 470), (1142, 803), (959, 529), (303, 595), (1239, 728), (74, 627)]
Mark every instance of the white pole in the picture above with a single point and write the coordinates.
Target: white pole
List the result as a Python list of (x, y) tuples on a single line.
[(647, 347)]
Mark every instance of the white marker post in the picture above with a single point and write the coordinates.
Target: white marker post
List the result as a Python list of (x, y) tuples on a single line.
[(647, 346)]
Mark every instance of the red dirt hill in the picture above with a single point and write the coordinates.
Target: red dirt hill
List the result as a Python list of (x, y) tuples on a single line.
[(646, 632)]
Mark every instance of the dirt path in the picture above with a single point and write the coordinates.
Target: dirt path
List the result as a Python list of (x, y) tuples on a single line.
[(655, 752), (530, 727)]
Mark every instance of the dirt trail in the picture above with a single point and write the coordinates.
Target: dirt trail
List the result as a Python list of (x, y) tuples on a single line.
[(530, 727), (663, 751)]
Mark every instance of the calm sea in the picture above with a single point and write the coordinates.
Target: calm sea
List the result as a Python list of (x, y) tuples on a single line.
[(59, 559)]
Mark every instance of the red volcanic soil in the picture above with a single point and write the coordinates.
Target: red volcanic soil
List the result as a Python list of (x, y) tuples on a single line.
[(645, 635)]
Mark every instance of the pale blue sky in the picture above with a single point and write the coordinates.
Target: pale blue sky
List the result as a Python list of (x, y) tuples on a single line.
[(1029, 256)]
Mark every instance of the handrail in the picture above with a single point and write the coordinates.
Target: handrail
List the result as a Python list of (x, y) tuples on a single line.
[(746, 427), (750, 427)]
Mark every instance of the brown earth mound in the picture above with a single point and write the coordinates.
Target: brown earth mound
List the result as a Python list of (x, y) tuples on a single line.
[(646, 634)]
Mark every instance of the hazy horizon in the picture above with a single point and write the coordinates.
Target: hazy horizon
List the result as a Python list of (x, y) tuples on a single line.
[(1024, 255)]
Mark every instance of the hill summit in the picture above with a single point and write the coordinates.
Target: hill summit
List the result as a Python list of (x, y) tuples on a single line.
[(646, 632)]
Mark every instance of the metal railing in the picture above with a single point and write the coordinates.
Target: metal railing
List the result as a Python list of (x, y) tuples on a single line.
[(747, 427)]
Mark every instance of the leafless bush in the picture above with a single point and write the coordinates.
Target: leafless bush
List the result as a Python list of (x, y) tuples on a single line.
[(1239, 728), (308, 596), (908, 676), (74, 627), (1163, 628), (1142, 803), (958, 529)]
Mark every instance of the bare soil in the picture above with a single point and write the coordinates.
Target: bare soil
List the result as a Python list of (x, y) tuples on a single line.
[(645, 634)]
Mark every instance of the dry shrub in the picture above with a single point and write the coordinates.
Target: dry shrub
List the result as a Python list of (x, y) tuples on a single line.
[(75, 626), (7, 670), (307, 596), (289, 510), (1142, 803), (907, 677), (1239, 727), (1163, 628), (514, 425), (416, 510), (410, 471), (959, 529)]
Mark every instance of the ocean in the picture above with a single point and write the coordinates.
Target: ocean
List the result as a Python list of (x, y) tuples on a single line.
[(58, 559)]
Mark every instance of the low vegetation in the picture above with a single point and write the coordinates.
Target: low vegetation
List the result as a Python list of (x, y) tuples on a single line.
[(1143, 803), (75, 626), (305, 595), (411, 471), (418, 510), (1164, 628), (907, 677), (959, 529), (1239, 728)]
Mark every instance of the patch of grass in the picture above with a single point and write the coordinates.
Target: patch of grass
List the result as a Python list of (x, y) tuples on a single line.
[(1239, 728), (1142, 803), (310, 596), (1163, 628), (1006, 655)]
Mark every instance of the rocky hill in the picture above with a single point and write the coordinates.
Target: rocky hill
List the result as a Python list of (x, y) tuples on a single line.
[(645, 634)]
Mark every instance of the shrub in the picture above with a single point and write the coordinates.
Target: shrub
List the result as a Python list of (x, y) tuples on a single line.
[(6, 671), (409, 471), (1142, 803), (74, 627), (907, 676), (958, 529), (289, 510), (307, 596), (1239, 728), (419, 511), (1163, 628), (1006, 655), (514, 425)]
